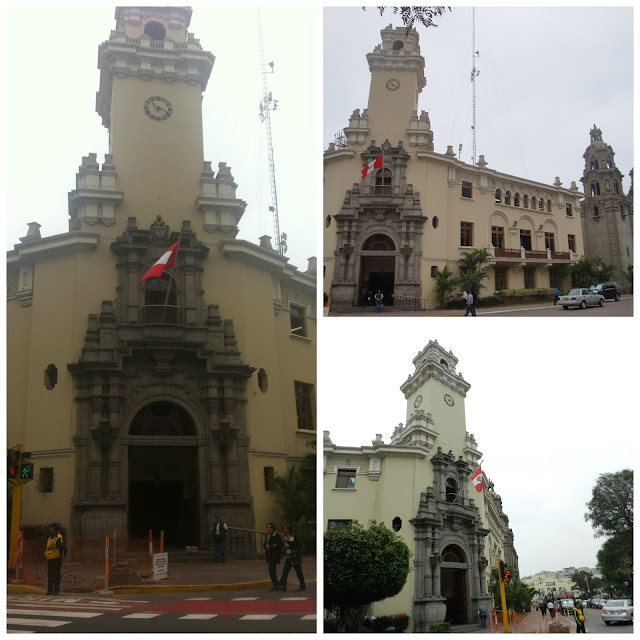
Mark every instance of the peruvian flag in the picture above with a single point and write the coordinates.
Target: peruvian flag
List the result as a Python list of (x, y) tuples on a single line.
[(166, 262), (374, 164), (476, 478)]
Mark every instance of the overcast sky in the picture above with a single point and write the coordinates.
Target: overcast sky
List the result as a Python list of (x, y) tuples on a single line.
[(547, 75), (550, 411), (51, 83)]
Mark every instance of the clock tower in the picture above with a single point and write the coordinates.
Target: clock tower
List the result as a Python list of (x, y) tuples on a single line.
[(152, 76)]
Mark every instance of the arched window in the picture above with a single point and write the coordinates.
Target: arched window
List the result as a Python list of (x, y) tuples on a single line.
[(157, 306), (607, 186), (451, 490), (594, 164), (435, 222), (540, 204), (383, 182), (498, 196), (596, 212), (379, 242), (533, 202), (162, 419), (595, 188), (397, 45), (155, 30), (516, 199), (525, 201), (616, 188), (507, 197), (608, 162), (549, 206)]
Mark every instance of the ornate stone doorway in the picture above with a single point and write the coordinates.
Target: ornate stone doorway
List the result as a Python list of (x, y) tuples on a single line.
[(454, 584)]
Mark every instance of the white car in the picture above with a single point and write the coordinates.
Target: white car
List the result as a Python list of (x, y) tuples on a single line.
[(617, 611), (580, 298)]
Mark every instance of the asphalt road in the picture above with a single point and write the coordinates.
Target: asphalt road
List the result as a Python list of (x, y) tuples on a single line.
[(610, 309), (251, 611)]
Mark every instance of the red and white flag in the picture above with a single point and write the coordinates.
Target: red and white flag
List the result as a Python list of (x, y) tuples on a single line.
[(166, 262), (476, 478), (374, 164)]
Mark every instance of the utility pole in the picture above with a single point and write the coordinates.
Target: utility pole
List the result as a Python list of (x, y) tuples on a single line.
[(474, 74), (503, 597)]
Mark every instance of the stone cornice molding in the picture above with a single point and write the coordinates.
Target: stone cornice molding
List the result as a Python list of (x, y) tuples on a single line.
[(331, 155), (53, 246)]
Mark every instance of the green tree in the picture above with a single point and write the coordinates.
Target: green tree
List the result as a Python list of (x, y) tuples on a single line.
[(445, 284), (588, 271), (411, 15), (610, 509), (585, 582), (518, 595), (615, 561), (471, 275), (628, 275), (362, 566)]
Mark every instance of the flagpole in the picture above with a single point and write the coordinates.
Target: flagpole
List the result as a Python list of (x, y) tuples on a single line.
[(166, 299)]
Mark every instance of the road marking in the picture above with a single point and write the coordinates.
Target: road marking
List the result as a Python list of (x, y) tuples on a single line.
[(190, 599), (199, 616), (41, 612), (309, 617), (37, 623), (258, 617), (242, 599), (142, 616), (283, 599), (18, 631)]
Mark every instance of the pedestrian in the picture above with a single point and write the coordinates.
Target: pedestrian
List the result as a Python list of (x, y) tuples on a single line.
[(272, 552), (367, 625), (470, 307), (464, 299), (293, 558), (219, 534), (53, 553), (483, 618), (552, 609), (579, 616), (556, 295), (543, 608), (378, 298), (364, 295)]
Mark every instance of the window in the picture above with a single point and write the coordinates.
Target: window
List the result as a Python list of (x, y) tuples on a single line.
[(497, 237), (338, 524), (269, 478), (303, 405), (263, 381), (379, 242), (346, 479), (327, 222), (595, 188), (467, 189), (533, 202), (530, 278), (572, 243), (516, 200), (158, 307), (501, 278), (451, 490), (434, 222), (155, 30), (525, 203), (616, 188), (569, 210), (498, 197), (525, 239), (383, 182), (507, 197), (434, 271), (540, 204), (549, 206), (50, 376), (549, 241), (466, 234), (45, 480), (596, 212), (396, 524), (297, 316)]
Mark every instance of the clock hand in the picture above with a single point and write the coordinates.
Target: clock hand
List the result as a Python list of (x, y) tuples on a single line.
[(159, 108)]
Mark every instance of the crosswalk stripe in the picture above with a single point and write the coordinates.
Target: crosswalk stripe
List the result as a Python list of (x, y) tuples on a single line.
[(42, 612), (309, 617), (142, 616), (18, 631), (293, 599), (28, 606), (190, 599), (35, 622), (258, 616), (199, 616), (242, 599)]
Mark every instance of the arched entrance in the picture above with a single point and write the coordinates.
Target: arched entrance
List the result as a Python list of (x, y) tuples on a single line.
[(163, 487), (453, 584), (377, 267)]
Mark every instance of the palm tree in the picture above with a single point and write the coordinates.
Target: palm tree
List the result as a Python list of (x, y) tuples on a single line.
[(628, 274), (411, 15), (445, 283), (471, 275)]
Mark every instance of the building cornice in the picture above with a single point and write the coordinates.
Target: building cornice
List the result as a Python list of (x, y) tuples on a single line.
[(53, 246)]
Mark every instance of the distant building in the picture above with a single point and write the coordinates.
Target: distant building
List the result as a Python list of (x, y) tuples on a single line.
[(419, 485), (550, 582)]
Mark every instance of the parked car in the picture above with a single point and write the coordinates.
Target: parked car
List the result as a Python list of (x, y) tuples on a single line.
[(610, 290), (566, 605), (617, 611), (580, 298)]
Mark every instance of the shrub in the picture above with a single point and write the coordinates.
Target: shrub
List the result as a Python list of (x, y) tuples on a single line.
[(440, 627), (399, 621)]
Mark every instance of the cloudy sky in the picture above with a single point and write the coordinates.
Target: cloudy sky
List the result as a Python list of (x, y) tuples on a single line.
[(551, 411), (547, 75), (51, 84)]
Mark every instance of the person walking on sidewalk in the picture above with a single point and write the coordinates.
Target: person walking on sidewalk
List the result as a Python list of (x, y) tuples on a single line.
[(470, 306), (219, 534), (293, 559), (579, 616), (272, 552), (483, 618), (552, 609), (53, 553)]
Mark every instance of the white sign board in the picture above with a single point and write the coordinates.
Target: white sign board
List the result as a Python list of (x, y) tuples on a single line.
[(160, 565)]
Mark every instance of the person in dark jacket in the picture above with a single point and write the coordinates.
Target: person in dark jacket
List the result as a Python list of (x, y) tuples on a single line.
[(219, 534), (53, 554), (272, 552), (293, 558), (578, 612)]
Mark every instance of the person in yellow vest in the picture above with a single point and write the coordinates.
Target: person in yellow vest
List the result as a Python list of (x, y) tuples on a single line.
[(579, 615), (53, 553)]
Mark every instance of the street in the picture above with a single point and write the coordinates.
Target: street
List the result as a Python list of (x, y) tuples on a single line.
[(610, 309), (250, 611)]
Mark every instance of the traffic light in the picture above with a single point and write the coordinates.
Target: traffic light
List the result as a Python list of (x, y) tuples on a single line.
[(26, 470), (13, 464), (505, 572)]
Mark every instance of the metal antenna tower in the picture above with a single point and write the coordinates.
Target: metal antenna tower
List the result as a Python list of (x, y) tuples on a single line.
[(474, 74), (268, 104)]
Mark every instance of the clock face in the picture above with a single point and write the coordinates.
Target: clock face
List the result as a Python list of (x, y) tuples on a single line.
[(417, 402), (448, 399), (158, 108), (392, 84)]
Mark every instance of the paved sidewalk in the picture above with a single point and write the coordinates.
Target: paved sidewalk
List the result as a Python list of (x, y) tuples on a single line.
[(204, 576)]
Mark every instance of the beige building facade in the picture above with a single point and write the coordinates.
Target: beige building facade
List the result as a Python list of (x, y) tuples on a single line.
[(418, 484), (404, 222), (157, 406)]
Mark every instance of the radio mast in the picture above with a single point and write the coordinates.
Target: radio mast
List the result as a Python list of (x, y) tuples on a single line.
[(268, 104), (474, 74)]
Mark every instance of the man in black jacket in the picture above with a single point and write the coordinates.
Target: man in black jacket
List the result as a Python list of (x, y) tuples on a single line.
[(219, 534), (272, 552)]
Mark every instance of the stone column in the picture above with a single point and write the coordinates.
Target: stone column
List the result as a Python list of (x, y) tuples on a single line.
[(114, 489), (215, 459), (95, 450)]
